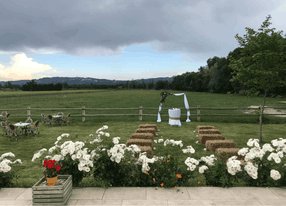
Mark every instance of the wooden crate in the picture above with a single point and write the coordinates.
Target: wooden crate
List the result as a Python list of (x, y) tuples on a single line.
[(52, 195)]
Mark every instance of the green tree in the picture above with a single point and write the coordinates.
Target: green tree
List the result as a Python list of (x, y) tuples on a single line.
[(162, 85), (263, 64), (236, 54), (10, 85), (151, 84), (220, 75), (177, 83), (204, 79)]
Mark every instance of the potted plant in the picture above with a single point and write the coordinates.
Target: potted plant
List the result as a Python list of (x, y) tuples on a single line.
[(50, 172)]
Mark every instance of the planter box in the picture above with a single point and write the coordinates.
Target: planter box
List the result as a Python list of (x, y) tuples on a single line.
[(52, 195)]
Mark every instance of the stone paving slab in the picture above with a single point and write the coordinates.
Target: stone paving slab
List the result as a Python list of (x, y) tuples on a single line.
[(158, 196)]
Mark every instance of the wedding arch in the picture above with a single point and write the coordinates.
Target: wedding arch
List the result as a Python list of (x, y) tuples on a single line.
[(163, 97)]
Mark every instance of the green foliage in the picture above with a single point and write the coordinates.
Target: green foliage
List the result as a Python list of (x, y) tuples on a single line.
[(263, 60), (164, 95), (218, 175), (162, 85), (69, 167), (6, 178), (220, 75), (116, 174)]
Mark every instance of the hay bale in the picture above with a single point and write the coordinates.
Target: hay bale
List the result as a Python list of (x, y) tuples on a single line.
[(204, 127), (204, 137), (230, 151), (140, 142), (146, 130), (212, 145), (142, 136), (209, 131), (148, 126), (145, 149)]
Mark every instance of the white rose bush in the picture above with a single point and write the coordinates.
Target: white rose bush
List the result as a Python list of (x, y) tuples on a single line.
[(115, 164)]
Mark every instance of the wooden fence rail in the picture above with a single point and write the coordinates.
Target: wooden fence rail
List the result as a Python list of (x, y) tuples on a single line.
[(198, 108)]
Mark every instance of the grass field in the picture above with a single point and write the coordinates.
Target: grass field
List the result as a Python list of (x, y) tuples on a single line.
[(238, 129)]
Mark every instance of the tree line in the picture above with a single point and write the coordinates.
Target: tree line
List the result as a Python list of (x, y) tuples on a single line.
[(214, 78), (261, 57)]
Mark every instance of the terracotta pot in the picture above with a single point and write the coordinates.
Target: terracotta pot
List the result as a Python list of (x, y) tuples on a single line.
[(52, 181)]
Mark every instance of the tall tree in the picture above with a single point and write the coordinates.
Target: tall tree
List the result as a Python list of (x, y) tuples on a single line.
[(263, 64), (236, 54), (220, 75)]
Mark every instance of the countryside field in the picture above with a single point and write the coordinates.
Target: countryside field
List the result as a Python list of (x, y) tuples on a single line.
[(237, 128)]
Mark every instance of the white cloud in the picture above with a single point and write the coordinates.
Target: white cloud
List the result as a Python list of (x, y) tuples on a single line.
[(72, 70), (22, 68)]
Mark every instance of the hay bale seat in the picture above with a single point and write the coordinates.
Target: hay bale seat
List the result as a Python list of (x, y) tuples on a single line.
[(148, 126), (140, 142), (204, 127), (204, 137), (209, 131), (142, 136), (212, 145), (147, 149), (146, 130), (230, 151)]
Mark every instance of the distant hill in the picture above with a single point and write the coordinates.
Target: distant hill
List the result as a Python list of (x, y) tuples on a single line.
[(82, 80)]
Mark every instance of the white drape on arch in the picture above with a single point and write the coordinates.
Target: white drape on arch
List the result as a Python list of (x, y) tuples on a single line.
[(186, 105)]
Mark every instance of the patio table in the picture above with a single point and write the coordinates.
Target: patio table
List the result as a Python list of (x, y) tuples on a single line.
[(23, 125)]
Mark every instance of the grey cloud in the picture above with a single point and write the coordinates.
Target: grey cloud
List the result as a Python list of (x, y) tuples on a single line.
[(104, 26)]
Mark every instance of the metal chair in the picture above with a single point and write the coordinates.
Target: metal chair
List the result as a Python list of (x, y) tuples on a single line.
[(4, 113), (4, 116), (34, 128), (5, 128), (44, 119), (65, 120), (12, 130), (51, 120), (29, 120)]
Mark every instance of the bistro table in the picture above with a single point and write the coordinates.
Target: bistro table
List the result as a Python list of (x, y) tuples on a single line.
[(23, 125)]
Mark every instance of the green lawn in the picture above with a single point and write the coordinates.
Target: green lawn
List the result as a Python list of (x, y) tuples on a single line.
[(238, 129)]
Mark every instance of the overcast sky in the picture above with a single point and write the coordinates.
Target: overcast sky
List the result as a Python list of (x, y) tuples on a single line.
[(123, 39)]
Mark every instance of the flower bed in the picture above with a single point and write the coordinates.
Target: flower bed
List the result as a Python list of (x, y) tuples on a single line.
[(161, 171)]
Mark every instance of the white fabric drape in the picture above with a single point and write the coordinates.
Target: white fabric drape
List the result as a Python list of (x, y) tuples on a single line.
[(159, 117), (174, 113), (186, 105)]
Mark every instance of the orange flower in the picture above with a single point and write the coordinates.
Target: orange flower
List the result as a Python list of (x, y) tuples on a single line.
[(199, 182), (169, 155), (162, 184), (155, 170), (175, 187), (168, 160), (154, 179), (147, 173), (179, 176), (160, 162)]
